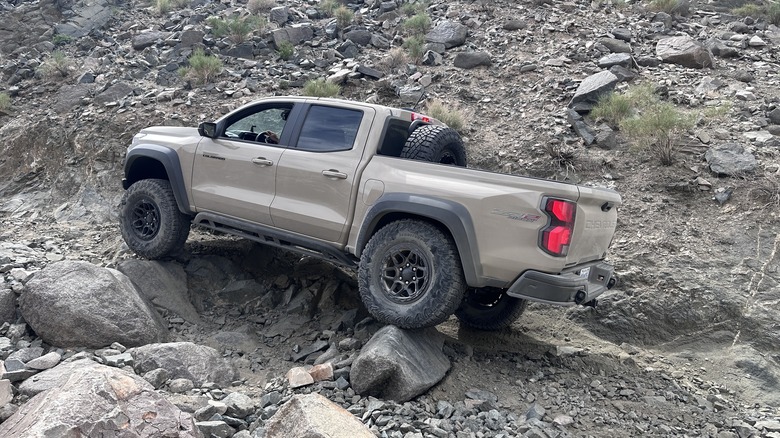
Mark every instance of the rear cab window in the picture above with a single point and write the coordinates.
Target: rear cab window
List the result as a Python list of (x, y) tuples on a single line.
[(329, 129)]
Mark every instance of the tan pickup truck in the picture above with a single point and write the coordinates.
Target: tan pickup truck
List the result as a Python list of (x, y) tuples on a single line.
[(380, 189)]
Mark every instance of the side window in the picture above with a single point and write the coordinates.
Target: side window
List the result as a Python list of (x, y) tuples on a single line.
[(328, 129), (396, 134), (265, 125)]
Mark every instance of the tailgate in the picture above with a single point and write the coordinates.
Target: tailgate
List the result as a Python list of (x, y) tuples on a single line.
[(594, 225)]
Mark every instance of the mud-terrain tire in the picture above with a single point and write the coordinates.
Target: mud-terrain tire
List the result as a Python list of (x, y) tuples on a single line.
[(150, 220), (410, 275), (489, 308), (435, 143)]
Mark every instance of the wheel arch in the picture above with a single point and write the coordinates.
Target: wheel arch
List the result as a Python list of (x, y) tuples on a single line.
[(153, 161), (449, 216)]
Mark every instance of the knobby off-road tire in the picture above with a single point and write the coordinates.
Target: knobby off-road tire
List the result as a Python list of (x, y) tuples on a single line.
[(435, 143), (150, 220), (489, 309), (410, 275)]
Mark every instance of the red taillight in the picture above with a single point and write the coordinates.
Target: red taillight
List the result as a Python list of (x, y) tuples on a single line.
[(556, 236), (425, 119)]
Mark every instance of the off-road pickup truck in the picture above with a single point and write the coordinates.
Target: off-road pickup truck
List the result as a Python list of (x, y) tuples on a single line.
[(380, 189)]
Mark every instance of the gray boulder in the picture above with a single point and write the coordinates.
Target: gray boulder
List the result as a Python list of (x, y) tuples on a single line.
[(468, 60), (361, 37), (449, 33), (113, 93), (279, 15), (73, 303), (314, 416), (85, 17), (685, 51), (148, 39), (7, 306), (730, 159), (592, 87), (774, 116), (399, 364), (51, 378), (162, 283), (96, 400), (622, 59), (185, 360), (615, 45), (293, 35)]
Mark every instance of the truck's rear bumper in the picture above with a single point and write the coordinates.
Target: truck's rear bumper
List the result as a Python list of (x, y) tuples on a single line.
[(580, 286)]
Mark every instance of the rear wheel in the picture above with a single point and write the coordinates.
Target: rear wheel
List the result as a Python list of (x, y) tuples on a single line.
[(489, 308), (150, 220), (410, 275), (435, 143)]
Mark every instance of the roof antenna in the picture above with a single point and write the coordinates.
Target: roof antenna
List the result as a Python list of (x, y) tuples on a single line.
[(422, 97)]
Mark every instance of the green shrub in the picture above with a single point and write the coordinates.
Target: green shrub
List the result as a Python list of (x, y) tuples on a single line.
[(612, 108), (418, 25), (285, 50), (57, 65), (344, 16), (328, 7), (671, 7), (773, 13), (394, 59), (236, 28), (60, 39), (320, 88), (5, 102), (749, 10), (451, 116), (414, 47), (257, 6), (769, 12), (411, 9), (203, 68), (657, 129)]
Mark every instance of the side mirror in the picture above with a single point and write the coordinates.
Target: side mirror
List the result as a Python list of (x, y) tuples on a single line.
[(208, 129)]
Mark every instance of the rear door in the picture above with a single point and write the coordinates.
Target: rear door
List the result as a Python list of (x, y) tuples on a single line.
[(235, 174), (317, 177)]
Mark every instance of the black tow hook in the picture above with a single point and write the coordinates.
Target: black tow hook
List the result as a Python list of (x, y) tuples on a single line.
[(580, 296), (611, 283)]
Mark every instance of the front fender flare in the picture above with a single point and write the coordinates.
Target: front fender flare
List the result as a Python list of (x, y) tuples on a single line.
[(169, 160)]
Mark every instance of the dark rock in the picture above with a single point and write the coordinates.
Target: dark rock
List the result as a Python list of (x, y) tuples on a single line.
[(244, 50), (157, 377), (7, 306), (468, 60), (86, 78), (606, 137), (70, 96), (623, 74), (685, 51), (622, 34), (622, 59), (348, 49), (74, 303), (103, 400), (314, 416), (399, 364), (361, 37), (293, 35), (515, 25), (449, 33), (215, 429), (191, 38), (185, 360), (615, 45), (593, 87), (370, 72), (113, 93), (774, 116), (85, 17), (648, 61), (432, 58), (720, 49), (316, 346), (585, 132), (148, 39), (279, 15), (162, 283), (380, 42), (730, 159)]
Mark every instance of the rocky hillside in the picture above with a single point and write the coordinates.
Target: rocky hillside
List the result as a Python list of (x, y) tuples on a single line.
[(687, 344)]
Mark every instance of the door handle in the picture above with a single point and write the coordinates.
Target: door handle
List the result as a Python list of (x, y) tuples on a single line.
[(262, 161), (333, 173)]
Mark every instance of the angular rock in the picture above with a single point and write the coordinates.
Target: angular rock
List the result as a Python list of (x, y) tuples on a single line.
[(380, 42), (102, 400), (720, 49), (314, 416), (244, 50), (622, 34), (370, 72), (322, 372), (449, 33), (623, 74), (215, 429), (148, 39), (85, 17), (45, 362), (7, 306), (361, 37), (298, 377), (592, 87), (191, 37), (774, 116), (615, 45), (685, 51), (293, 35), (185, 360), (399, 364), (162, 283), (622, 59), (730, 159), (515, 25), (73, 303), (157, 377), (238, 405), (279, 15), (113, 93), (6, 392), (468, 60)]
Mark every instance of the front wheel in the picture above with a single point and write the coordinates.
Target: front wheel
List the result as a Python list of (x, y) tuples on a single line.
[(490, 308), (410, 275), (150, 220)]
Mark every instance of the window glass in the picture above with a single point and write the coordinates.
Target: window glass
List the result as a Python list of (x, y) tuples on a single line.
[(255, 126), (395, 137), (329, 129)]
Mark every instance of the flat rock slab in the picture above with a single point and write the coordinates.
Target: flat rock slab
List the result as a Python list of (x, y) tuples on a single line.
[(399, 364), (730, 159), (314, 416), (685, 51), (593, 87)]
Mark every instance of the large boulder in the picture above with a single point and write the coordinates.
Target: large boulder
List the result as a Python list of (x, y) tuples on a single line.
[(468, 60), (73, 303), (730, 159), (86, 17), (162, 283), (293, 35), (314, 416), (685, 51), (593, 87), (186, 360), (96, 400), (449, 33), (399, 364)]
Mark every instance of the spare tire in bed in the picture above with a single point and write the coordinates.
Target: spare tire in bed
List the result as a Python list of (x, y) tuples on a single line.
[(435, 143)]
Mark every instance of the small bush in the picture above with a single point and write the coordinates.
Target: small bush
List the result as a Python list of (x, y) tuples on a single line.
[(773, 13), (286, 50), (411, 9), (60, 39), (671, 7), (657, 129), (394, 59), (203, 68), (748, 10), (344, 16), (236, 28), (320, 88), (612, 108), (57, 65), (769, 12), (5, 102), (257, 6), (451, 116), (414, 47), (418, 25), (328, 7)]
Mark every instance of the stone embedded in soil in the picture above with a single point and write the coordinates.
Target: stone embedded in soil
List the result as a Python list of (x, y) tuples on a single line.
[(685, 51)]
